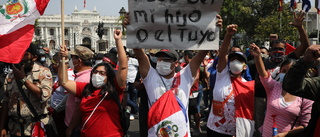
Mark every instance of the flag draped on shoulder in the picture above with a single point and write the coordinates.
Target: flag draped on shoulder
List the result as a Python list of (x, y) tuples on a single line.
[(17, 18), (168, 118)]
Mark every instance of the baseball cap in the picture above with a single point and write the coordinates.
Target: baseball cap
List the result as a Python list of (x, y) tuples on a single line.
[(82, 52), (171, 53), (239, 54)]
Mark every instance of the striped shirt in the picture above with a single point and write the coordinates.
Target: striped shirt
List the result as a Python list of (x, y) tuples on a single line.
[(285, 116)]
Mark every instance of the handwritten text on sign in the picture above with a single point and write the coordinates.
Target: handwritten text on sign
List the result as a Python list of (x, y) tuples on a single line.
[(173, 24)]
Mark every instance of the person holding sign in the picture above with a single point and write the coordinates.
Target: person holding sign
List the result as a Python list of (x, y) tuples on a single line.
[(233, 97), (168, 92)]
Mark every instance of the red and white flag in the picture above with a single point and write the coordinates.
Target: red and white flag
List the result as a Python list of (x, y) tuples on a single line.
[(168, 118), (17, 18)]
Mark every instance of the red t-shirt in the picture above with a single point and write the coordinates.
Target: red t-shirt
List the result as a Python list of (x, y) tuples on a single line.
[(105, 121)]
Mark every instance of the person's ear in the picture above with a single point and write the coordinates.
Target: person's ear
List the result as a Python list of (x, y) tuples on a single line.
[(176, 63), (245, 66)]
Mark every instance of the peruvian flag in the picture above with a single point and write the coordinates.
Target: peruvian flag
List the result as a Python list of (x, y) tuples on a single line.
[(17, 18), (168, 117)]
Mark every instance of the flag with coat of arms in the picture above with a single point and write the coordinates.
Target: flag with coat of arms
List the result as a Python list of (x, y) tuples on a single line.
[(17, 19), (168, 118)]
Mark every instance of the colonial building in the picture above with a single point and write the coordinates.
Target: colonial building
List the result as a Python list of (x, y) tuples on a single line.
[(81, 28)]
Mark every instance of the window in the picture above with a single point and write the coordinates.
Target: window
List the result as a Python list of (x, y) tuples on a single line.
[(66, 32), (103, 46), (37, 32), (51, 31)]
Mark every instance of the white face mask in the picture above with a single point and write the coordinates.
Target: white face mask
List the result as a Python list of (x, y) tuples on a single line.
[(97, 80), (236, 66), (71, 65), (164, 68), (182, 60)]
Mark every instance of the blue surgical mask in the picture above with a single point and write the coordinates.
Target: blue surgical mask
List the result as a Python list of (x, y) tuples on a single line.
[(42, 59)]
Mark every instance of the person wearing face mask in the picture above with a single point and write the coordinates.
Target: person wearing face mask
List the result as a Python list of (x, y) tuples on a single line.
[(99, 110), (291, 113), (172, 88), (272, 65), (36, 81), (80, 62), (232, 104)]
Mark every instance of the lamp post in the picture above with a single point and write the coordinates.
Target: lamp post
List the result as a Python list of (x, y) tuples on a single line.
[(122, 12)]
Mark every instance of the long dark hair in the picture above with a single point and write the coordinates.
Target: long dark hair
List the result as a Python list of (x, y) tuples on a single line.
[(107, 87)]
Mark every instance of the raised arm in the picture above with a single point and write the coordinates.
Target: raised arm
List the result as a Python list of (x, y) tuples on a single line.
[(295, 82), (121, 74), (144, 63), (223, 52), (256, 53), (298, 23), (67, 84)]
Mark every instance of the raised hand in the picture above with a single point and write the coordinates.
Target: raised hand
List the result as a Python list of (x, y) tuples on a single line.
[(18, 72), (298, 20), (255, 50), (219, 21), (126, 20), (312, 53), (63, 51), (117, 34), (232, 29)]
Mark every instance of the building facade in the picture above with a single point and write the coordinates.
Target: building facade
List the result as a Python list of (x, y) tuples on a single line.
[(80, 29)]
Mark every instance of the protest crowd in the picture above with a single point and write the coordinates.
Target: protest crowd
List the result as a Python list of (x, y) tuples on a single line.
[(251, 92)]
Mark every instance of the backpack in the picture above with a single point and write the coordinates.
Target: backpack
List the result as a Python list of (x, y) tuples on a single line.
[(124, 114)]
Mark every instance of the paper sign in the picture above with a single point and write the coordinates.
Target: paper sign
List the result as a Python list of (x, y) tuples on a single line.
[(173, 24)]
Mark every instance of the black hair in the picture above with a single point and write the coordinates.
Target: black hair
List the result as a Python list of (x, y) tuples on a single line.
[(264, 48), (189, 53), (112, 57), (277, 41), (107, 87)]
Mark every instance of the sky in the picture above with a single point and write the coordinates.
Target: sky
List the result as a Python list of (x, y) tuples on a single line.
[(104, 7)]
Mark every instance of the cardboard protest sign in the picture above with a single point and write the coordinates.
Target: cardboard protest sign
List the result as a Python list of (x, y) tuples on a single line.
[(173, 24)]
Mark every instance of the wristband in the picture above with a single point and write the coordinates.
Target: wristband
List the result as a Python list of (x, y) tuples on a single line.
[(23, 80), (66, 61)]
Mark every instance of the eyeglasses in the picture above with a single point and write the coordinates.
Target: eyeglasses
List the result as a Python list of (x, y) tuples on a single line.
[(165, 59), (103, 73)]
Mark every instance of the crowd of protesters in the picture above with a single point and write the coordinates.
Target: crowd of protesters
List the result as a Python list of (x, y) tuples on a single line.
[(245, 92)]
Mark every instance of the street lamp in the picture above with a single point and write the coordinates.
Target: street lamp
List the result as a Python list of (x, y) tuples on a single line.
[(122, 12)]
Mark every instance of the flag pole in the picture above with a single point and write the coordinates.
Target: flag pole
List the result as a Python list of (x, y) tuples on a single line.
[(63, 42)]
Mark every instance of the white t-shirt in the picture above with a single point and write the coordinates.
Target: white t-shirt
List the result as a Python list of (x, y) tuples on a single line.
[(132, 69), (155, 87), (222, 88)]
